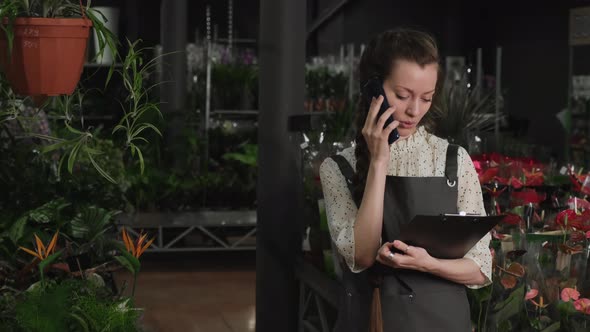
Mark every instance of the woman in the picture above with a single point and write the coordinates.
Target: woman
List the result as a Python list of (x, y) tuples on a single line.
[(418, 174)]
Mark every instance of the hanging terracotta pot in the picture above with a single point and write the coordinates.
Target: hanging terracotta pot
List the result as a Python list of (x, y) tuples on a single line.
[(48, 55)]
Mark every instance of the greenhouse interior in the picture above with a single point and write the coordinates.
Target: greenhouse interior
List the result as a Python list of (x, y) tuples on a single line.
[(280, 165)]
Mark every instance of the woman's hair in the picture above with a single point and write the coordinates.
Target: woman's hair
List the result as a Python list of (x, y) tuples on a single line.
[(378, 60)]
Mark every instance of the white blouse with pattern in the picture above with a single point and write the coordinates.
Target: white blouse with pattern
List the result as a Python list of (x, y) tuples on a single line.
[(419, 155)]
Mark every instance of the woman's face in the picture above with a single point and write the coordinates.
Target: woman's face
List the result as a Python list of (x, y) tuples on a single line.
[(410, 87)]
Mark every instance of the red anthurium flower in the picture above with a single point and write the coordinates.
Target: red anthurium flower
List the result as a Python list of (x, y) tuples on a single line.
[(498, 236), (508, 281), (578, 203), (531, 294), (577, 249), (501, 180), (477, 165), (568, 294), (497, 158), (533, 178), (579, 221), (527, 196), (488, 175), (494, 192), (582, 221), (516, 183), (512, 219), (577, 236), (561, 216), (576, 182), (583, 305)]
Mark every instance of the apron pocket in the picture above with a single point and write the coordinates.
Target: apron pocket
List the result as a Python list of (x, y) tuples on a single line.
[(398, 312), (444, 310), (439, 309)]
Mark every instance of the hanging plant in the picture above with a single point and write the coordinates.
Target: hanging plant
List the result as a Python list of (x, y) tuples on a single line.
[(43, 44)]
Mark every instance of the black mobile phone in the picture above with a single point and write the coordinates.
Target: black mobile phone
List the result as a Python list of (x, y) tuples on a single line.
[(374, 88)]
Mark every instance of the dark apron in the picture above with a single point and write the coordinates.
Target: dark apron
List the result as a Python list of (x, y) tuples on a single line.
[(410, 300)]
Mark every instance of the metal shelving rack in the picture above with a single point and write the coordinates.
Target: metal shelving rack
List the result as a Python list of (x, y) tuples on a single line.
[(206, 230)]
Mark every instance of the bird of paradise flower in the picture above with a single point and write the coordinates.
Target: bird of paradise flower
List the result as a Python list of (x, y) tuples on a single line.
[(131, 253), (44, 253), (137, 248)]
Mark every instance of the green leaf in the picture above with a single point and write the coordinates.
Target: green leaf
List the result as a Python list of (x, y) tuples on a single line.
[(125, 263), (73, 156), (509, 307), (100, 170), (482, 294), (566, 308), (553, 327), (141, 139), (56, 146), (135, 264), (144, 126), (48, 138), (50, 259), (518, 210), (80, 321), (141, 162), (74, 130), (91, 223), (18, 229), (119, 127), (93, 151)]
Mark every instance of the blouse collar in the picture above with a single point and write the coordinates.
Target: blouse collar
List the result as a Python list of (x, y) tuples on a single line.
[(418, 138)]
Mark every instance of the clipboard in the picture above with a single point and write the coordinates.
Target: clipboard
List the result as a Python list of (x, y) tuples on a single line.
[(448, 236)]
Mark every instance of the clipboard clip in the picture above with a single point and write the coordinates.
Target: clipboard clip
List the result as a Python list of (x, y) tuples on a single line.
[(462, 214)]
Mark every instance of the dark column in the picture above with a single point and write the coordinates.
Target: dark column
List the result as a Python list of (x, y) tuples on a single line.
[(132, 20), (282, 82), (173, 18)]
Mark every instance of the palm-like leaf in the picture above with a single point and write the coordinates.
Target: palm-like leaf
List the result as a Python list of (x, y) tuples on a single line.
[(460, 111), (90, 225)]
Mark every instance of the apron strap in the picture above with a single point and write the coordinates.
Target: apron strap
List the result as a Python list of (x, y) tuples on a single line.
[(451, 164), (346, 170)]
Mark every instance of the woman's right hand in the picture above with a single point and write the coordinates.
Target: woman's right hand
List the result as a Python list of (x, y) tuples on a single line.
[(375, 135)]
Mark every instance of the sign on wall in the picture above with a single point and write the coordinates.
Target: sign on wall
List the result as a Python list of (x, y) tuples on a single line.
[(580, 26)]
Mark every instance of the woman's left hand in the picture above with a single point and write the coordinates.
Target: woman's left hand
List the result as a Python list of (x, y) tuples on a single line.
[(411, 258)]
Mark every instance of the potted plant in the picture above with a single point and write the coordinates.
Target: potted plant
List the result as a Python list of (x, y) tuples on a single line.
[(459, 111), (43, 44)]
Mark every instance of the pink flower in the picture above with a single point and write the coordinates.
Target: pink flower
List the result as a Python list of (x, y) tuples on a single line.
[(568, 294), (531, 294), (588, 234), (497, 236), (583, 305)]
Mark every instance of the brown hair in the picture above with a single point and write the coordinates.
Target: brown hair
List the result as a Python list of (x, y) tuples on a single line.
[(377, 61)]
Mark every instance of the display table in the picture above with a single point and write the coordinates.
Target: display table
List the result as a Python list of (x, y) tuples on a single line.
[(206, 230)]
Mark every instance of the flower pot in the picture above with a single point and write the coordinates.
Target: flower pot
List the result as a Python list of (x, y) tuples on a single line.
[(47, 56)]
